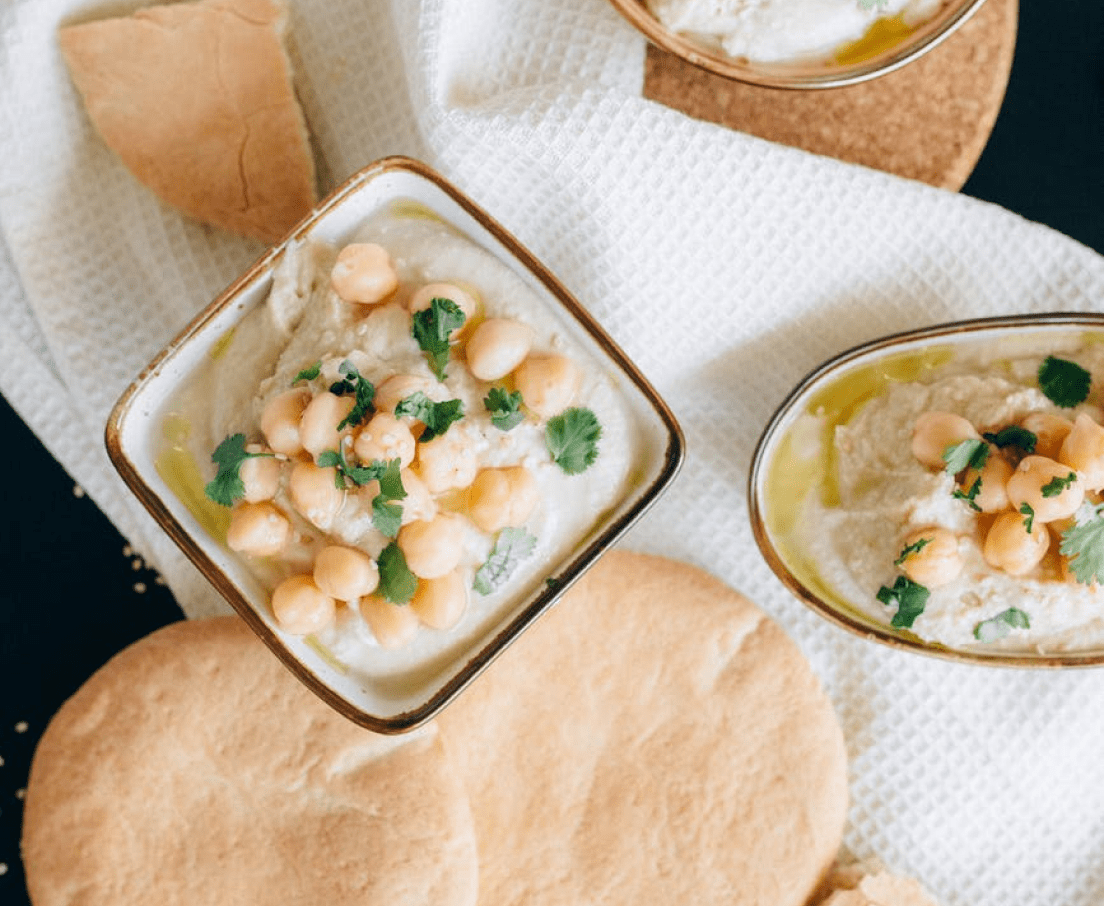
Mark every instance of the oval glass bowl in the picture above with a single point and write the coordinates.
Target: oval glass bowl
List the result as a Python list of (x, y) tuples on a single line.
[(865, 59), (790, 461), (142, 421)]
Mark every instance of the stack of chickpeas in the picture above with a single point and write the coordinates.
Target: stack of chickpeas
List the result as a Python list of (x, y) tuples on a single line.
[(299, 425), (1029, 499)]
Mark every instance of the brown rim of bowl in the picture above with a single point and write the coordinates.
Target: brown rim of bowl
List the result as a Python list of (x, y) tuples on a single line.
[(556, 585), (886, 635), (798, 76)]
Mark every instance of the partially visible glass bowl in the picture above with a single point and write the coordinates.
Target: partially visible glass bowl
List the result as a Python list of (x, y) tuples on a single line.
[(857, 62)]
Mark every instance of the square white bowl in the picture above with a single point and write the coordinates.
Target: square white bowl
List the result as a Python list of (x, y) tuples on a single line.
[(134, 437)]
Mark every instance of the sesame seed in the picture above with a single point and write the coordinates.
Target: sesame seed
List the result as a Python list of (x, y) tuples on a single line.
[(3, 868), (21, 727), (160, 580), (140, 587), (136, 564), (128, 550), (21, 793), (78, 491)]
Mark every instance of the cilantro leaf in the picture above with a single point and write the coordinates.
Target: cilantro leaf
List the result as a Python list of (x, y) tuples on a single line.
[(1001, 625), (505, 408), (386, 514), (910, 597), (362, 388), (909, 549), (969, 495), (431, 328), (358, 475), (1064, 383), (1029, 512), (397, 583), (1013, 436), (435, 416), (1083, 544), (572, 439), (967, 454), (1057, 485), (309, 374), (227, 486), (511, 547)]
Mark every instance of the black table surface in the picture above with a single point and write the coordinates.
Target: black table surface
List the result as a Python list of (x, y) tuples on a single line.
[(73, 593)]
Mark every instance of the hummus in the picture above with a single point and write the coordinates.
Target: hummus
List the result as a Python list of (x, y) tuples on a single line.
[(783, 31), (879, 505), (487, 508)]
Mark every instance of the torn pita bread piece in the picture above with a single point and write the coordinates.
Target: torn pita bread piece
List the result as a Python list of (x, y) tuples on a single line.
[(655, 738), (193, 768), (869, 883), (197, 100)]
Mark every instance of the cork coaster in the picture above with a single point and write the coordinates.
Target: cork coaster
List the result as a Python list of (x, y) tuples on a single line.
[(929, 120)]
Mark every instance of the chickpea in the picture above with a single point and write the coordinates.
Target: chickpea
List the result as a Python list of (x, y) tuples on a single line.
[(501, 497), (991, 496), (318, 424), (548, 382), (300, 607), (261, 477), (280, 421), (1049, 430), (398, 387), (393, 625), (385, 438), (1011, 547), (1083, 450), (447, 462), (934, 432), (364, 273), (344, 573), (315, 494), (258, 529), (439, 603), (434, 547), (937, 562), (1057, 501), (418, 502), (497, 347), (423, 296)]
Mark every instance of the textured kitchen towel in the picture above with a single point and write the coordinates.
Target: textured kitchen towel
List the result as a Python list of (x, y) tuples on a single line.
[(726, 266)]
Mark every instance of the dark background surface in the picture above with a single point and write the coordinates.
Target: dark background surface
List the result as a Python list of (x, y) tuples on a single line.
[(71, 594)]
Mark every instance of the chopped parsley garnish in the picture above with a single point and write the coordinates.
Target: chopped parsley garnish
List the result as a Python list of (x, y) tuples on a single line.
[(1057, 485), (910, 598), (309, 374), (386, 514), (511, 547), (1013, 436), (967, 454), (1001, 625), (909, 549), (1064, 383), (227, 485), (505, 408), (431, 328), (1029, 512), (1083, 544), (397, 583), (362, 388), (435, 416), (572, 439), (356, 474), (969, 495), (869, 5)]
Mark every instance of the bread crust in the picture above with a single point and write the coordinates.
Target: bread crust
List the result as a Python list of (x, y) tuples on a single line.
[(197, 100), (654, 739), (193, 768)]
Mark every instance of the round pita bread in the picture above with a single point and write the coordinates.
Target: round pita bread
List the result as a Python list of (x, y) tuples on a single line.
[(193, 768), (654, 739)]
